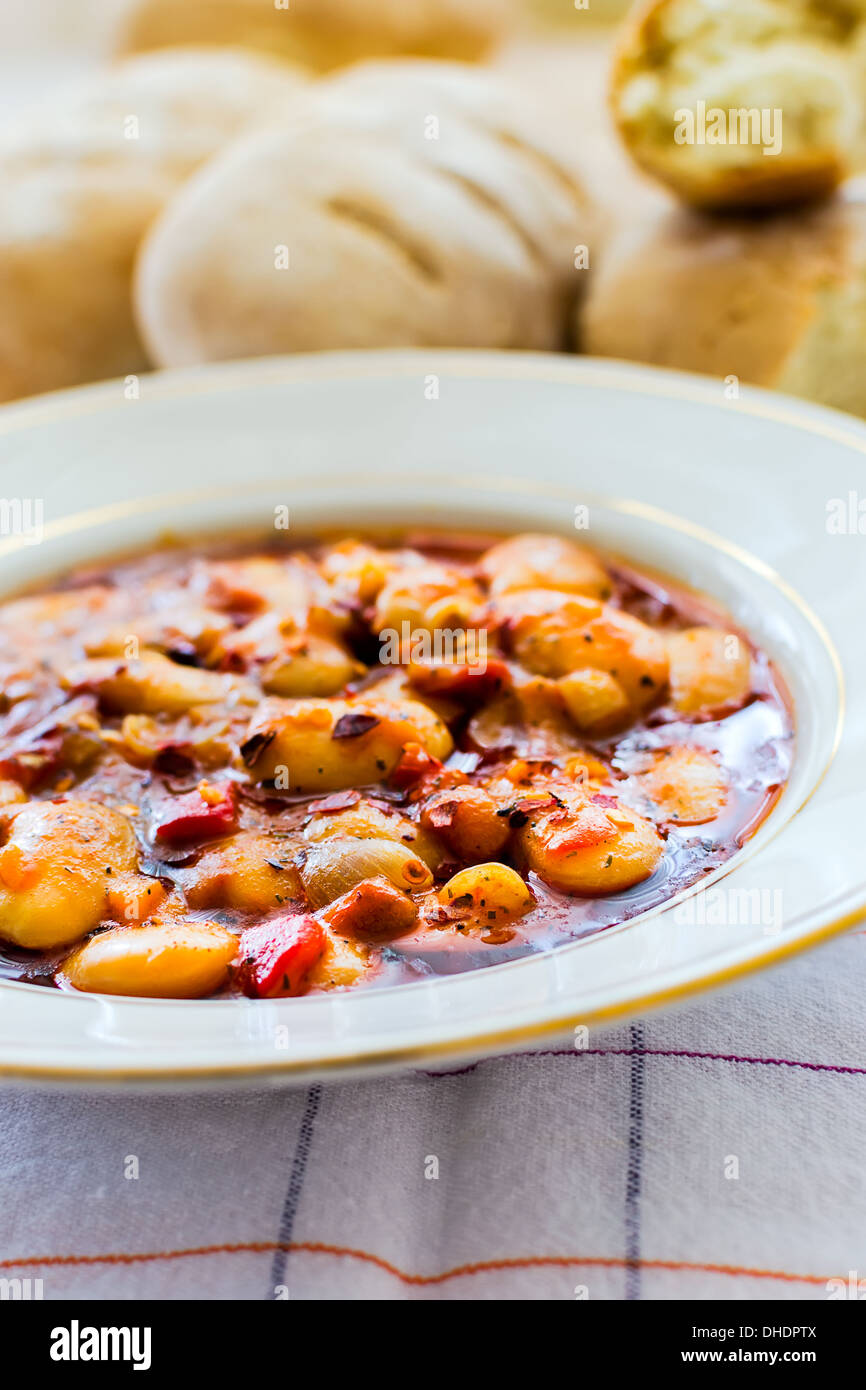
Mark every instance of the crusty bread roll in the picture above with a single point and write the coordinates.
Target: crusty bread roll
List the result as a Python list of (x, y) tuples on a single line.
[(777, 300), (407, 203), (79, 182), (477, 129), (743, 103), (321, 33)]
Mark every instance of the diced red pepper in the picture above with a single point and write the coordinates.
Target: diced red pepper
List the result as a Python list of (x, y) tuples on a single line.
[(199, 815), (277, 956), (415, 763)]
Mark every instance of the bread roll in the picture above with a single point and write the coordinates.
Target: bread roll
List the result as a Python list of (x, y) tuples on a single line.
[(477, 129), (777, 300), (407, 203), (79, 182), (744, 103), (321, 33)]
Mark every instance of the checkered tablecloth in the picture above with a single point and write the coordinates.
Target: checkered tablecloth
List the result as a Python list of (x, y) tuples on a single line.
[(712, 1153)]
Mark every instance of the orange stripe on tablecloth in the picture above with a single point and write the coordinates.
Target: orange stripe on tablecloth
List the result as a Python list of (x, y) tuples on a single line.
[(309, 1247)]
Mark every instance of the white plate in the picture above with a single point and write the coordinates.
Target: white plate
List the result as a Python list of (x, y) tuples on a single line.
[(734, 497)]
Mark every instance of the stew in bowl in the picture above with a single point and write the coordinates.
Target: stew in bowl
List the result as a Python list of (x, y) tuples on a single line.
[(247, 769)]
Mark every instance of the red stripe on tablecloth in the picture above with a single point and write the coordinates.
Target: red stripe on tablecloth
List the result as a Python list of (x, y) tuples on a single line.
[(269, 1247), (655, 1052)]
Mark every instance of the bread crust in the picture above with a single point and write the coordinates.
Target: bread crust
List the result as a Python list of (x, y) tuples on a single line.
[(776, 300)]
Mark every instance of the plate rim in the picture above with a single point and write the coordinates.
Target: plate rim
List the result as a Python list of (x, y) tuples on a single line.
[(479, 363)]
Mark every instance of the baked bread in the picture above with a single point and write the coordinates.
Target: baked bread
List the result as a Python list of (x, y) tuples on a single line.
[(477, 129), (321, 33), (79, 182), (743, 103), (777, 300), (407, 203)]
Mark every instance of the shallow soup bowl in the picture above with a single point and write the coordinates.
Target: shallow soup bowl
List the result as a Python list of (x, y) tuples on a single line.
[(751, 502)]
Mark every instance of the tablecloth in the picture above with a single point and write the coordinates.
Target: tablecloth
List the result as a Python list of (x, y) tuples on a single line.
[(711, 1153)]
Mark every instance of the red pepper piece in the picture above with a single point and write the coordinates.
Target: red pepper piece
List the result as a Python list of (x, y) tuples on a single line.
[(415, 763), (277, 956), (198, 817)]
